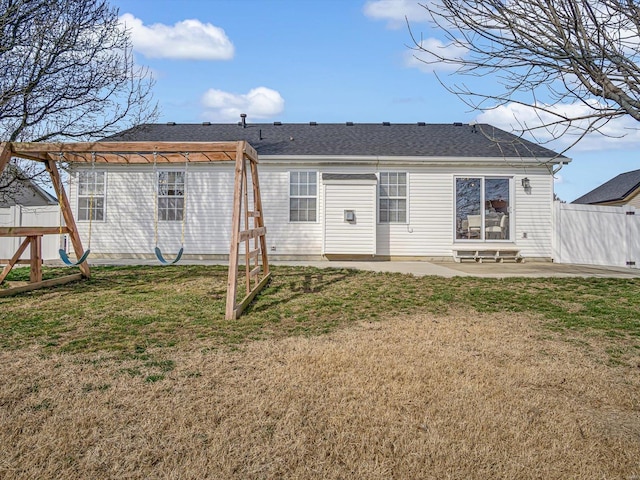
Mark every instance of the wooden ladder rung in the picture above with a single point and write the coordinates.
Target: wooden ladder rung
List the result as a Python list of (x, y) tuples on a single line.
[(254, 272), (253, 254), (255, 214), (252, 233)]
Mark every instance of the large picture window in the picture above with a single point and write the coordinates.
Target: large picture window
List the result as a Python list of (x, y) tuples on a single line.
[(170, 196), (483, 208), (392, 195), (303, 196), (91, 204)]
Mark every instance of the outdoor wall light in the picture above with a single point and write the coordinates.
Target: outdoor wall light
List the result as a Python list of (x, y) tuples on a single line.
[(526, 184)]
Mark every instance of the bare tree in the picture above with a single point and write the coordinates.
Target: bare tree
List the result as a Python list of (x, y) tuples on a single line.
[(67, 73), (544, 54)]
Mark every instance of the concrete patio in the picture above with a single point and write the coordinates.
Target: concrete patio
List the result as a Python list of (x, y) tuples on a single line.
[(443, 269)]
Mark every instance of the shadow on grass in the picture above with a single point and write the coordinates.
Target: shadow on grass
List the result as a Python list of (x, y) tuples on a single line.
[(287, 286)]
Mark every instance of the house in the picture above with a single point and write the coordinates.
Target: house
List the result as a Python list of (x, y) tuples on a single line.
[(25, 203), (621, 190), (384, 191), (17, 188)]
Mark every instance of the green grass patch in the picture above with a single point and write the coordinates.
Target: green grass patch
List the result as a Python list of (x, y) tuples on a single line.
[(130, 309)]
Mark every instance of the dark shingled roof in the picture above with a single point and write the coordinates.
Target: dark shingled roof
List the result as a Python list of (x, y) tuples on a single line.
[(360, 139), (616, 189)]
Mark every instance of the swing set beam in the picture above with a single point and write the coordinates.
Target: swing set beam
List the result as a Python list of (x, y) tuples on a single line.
[(247, 223), (132, 152)]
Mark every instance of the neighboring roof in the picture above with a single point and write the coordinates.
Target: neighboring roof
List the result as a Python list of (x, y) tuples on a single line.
[(352, 139), (616, 189), (22, 191)]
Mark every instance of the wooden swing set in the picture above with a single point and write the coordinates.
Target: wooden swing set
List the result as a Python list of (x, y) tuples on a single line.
[(247, 222)]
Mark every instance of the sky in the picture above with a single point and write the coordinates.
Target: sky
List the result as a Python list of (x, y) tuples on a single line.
[(327, 61)]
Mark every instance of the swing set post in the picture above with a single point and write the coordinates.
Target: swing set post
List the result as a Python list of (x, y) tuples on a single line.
[(260, 272), (5, 155), (67, 214)]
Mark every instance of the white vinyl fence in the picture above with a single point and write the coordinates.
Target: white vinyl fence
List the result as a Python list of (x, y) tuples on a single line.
[(17, 216), (596, 235)]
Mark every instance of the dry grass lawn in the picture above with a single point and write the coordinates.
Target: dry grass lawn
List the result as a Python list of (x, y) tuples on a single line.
[(461, 395)]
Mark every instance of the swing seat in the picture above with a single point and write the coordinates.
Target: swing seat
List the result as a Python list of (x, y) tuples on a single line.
[(67, 261), (164, 261)]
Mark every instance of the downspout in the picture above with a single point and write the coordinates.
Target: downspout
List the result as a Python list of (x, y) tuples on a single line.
[(556, 248), (560, 165)]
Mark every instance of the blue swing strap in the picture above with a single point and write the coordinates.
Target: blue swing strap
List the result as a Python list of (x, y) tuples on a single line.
[(164, 261), (67, 261)]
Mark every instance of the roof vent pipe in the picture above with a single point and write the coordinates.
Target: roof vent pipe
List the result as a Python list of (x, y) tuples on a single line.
[(243, 118)]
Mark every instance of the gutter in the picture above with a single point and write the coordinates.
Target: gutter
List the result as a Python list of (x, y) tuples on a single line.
[(412, 160)]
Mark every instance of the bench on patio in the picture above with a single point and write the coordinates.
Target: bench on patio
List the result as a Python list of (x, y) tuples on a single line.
[(495, 254)]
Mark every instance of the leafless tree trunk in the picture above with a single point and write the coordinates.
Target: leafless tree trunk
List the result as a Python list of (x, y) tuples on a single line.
[(544, 54), (67, 72)]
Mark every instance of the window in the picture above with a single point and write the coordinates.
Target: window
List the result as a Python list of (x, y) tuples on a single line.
[(170, 196), (483, 208), (393, 197), (303, 191), (91, 195)]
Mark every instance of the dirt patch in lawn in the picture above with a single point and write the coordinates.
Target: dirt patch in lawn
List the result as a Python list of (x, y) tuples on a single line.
[(458, 396)]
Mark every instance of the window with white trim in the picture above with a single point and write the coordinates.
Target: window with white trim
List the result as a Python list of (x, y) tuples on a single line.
[(392, 197), (91, 192), (170, 195), (303, 196)]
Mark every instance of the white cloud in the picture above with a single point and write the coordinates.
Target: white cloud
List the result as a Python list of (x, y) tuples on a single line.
[(620, 133), (186, 40), (395, 11), (427, 62), (258, 103)]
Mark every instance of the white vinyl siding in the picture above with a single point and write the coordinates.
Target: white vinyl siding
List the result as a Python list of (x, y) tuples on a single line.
[(634, 200), (128, 228), (533, 227), (428, 230), (359, 236), (285, 238)]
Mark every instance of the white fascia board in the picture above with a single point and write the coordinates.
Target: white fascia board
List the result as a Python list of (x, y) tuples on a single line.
[(407, 160)]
